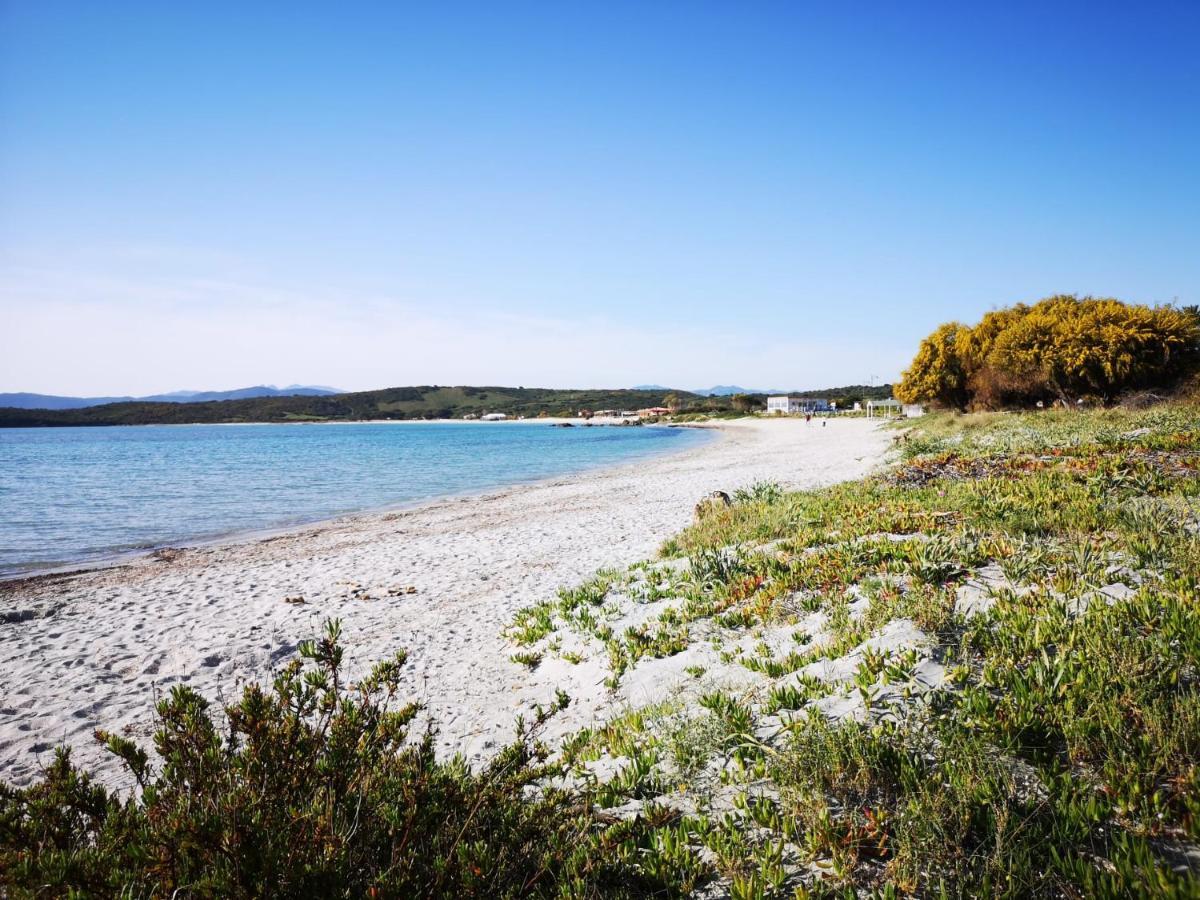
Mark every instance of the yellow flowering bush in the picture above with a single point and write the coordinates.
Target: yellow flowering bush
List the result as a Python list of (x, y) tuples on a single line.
[(1062, 348)]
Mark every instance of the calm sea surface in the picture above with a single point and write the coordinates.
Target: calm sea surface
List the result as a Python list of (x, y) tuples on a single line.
[(71, 495)]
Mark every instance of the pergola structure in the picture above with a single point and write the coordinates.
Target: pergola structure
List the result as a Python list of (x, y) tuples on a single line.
[(883, 408)]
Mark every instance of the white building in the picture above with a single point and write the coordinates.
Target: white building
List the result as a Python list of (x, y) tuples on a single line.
[(786, 405), (494, 417)]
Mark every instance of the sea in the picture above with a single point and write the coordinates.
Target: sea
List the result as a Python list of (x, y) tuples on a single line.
[(72, 496)]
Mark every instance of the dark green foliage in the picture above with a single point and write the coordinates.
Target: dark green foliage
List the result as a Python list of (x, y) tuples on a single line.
[(313, 791), (847, 396)]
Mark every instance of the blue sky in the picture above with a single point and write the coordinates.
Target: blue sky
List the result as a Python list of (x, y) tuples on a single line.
[(206, 195)]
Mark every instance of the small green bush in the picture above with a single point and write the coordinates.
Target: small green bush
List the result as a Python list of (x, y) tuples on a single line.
[(759, 492), (313, 790)]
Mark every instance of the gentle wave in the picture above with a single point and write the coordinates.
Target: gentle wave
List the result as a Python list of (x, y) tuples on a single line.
[(73, 495)]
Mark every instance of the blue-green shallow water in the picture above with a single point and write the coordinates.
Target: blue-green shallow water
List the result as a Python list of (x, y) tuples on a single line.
[(71, 495)]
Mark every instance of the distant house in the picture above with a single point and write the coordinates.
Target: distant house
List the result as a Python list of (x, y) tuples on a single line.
[(786, 405), (606, 413), (493, 417), (782, 405), (652, 411)]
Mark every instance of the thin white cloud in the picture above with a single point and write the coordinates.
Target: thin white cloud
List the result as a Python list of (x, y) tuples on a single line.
[(99, 333)]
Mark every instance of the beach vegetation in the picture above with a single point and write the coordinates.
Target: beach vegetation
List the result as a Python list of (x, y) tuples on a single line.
[(314, 787), (759, 492), (1030, 728), (527, 658)]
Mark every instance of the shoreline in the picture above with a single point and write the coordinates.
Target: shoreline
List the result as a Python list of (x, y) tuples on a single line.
[(92, 649), (606, 422), (119, 558)]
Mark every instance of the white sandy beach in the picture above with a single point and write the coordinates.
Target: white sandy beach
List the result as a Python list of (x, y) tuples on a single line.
[(94, 649)]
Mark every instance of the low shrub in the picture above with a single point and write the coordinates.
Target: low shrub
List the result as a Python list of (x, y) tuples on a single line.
[(311, 789)]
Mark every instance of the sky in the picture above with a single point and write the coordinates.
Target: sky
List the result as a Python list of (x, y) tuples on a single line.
[(209, 195)]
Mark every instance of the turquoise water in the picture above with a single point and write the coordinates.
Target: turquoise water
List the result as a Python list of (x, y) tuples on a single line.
[(70, 495)]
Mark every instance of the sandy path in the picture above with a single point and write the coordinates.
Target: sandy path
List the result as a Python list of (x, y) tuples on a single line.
[(91, 650)]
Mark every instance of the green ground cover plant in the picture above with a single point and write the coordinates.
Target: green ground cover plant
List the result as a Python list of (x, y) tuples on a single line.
[(1059, 754)]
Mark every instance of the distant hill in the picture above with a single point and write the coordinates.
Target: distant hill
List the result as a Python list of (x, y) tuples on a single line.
[(429, 401), (50, 401), (720, 390), (849, 391), (421, 402), (262, 390), (866, 391)]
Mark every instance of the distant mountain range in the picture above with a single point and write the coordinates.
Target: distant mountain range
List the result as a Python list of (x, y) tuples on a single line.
[(50, 401), (728, 390)]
